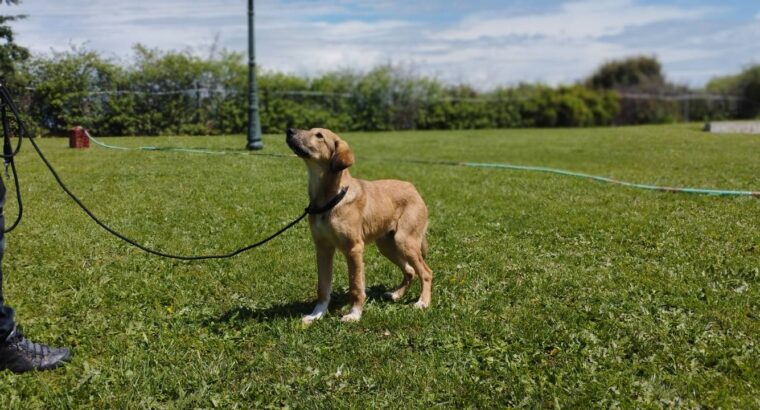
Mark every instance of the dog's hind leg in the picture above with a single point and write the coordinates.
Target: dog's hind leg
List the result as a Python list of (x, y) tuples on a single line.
[(426, 274), (325, 254), (387, 247), (411, 249), (411, 243)]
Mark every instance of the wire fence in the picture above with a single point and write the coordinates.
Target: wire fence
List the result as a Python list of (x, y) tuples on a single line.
[(203, 92), (220, 110)]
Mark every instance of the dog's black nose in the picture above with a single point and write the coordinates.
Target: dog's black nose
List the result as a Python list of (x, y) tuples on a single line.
[(290, 132)]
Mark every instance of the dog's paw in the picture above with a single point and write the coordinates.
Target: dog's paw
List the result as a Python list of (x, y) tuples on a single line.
[(317, 313), (421, 305), (352, 316), (309, 319), (392, 296)]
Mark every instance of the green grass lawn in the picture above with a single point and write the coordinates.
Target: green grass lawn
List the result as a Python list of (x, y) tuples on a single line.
[(548, 290)]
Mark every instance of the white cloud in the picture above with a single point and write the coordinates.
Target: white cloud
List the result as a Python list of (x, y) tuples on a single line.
[(583, 19), (485, 43)]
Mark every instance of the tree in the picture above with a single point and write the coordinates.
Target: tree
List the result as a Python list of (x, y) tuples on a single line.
[(10, 53), (637, 73), (745, 85)]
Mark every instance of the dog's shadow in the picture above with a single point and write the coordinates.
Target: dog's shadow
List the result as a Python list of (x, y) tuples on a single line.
[(289, 310)]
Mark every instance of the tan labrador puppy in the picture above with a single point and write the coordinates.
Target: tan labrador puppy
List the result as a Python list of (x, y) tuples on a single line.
[(388, 212)]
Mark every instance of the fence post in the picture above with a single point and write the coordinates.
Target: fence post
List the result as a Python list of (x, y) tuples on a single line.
[(254, 124)]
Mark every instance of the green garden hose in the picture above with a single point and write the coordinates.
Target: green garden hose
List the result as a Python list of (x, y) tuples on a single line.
[(698, 191)]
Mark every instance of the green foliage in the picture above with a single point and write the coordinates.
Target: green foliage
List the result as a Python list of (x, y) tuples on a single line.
[(745, 84), (548, 291), (70, 88), (724, 84), (173, 93), (604, 105), (633, 73), (170, 93), (641, 77), (11, 54), (574, 106)]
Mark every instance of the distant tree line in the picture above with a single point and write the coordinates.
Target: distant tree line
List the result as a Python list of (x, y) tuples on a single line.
[(177, 93), (173, 93), (648, 97)]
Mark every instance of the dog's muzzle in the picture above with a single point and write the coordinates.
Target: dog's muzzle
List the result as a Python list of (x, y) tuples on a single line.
[(297, 149)]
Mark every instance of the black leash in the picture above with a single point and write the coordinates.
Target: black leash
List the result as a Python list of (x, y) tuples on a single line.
[(8, 154)]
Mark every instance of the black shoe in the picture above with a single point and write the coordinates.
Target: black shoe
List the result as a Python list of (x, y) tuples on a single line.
[(19, 355)]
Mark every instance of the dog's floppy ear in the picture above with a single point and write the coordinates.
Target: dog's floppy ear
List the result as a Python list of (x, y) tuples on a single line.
[(342, 157)]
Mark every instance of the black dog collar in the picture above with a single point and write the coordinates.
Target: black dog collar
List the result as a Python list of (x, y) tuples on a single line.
[(312, 209)]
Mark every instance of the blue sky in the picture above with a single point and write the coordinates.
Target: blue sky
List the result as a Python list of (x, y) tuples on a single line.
[(485, 43)]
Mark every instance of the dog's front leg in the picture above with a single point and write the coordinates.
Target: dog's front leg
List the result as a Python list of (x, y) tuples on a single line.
[(325, 253), (355, 258)]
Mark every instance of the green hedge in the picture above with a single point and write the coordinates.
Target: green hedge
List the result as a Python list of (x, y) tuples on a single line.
[(171, 93)]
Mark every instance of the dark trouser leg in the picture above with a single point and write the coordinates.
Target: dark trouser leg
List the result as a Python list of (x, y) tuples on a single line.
[(6, 313)]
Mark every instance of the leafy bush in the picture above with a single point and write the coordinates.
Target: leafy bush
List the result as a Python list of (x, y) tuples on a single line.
[(746, 85), (70, 88), (633, 73), (163, 93), (638, 76)]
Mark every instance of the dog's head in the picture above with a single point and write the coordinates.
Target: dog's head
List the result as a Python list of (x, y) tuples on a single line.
[(320, 146)]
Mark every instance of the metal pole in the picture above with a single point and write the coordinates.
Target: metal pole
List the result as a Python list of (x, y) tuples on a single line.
[(254, 124)]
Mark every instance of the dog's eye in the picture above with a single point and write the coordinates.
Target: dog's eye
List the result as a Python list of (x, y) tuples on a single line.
[(319, 135)]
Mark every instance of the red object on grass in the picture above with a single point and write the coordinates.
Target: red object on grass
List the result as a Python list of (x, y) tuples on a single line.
[(78, 138)]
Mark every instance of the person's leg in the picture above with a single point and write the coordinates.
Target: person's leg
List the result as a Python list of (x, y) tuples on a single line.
[(17, 353), (6, 312)]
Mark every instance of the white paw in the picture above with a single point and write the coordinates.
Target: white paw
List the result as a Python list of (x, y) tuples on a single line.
[(391, 296), (352, 316), (308, 319), (317, 314), (421, 305)]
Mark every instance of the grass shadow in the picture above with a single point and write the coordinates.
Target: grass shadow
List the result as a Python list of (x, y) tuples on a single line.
[(288, 310)]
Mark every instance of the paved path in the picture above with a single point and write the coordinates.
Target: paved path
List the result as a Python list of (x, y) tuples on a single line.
[(733, 127)]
